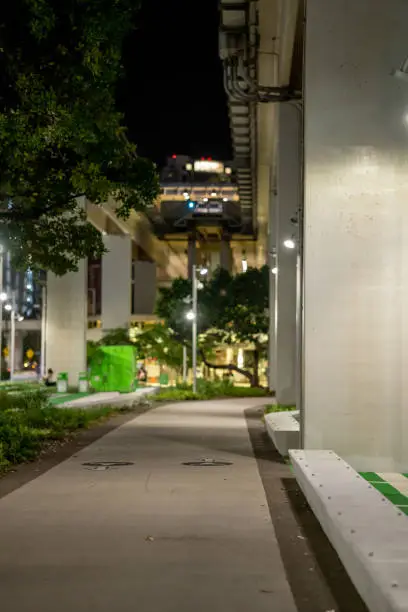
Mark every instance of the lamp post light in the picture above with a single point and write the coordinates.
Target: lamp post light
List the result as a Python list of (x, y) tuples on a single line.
[(192, 316), (194, 328), (289, 243)]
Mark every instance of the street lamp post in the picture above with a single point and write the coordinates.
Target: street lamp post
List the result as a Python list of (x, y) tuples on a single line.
[(184, 363), (194, 329)]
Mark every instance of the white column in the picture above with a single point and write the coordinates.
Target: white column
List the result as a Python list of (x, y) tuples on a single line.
[(287, 205), (226, 255), (116, 282), (145, 287), (214, 260), (66, 323), (191, 255), (356, 233), (18, 350)]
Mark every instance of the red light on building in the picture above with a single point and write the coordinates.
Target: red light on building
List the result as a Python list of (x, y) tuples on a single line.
[(203, 159), (209, 158), (174, 156)]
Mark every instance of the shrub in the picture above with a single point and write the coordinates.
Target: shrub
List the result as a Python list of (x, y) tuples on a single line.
[(176, 395), (28, 421), (207, 390), (278, 408)]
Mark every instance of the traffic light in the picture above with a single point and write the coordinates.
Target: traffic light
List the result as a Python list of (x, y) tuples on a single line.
[(191, 205)]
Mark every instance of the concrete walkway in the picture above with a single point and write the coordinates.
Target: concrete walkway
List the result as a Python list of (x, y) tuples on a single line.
[(154, 536)]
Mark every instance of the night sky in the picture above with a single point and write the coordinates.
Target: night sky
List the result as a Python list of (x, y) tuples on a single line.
[(173, 96)]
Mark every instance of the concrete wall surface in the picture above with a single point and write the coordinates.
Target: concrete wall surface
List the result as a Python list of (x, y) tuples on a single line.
[(356, 233)]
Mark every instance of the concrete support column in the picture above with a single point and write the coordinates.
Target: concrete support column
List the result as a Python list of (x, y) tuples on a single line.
[(226, 254), (66, 323), (116, 282), (191, 255), (214, 260), (145, 287), (287, 203), (272, 286), (355, 386), (19, 350)]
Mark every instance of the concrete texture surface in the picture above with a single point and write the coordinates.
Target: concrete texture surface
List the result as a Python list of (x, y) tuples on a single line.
[(155, 536)]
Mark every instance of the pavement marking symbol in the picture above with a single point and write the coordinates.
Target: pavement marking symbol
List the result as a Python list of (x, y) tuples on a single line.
[(105, 465), (206, 462)]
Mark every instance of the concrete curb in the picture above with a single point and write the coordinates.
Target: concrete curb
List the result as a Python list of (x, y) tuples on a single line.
[(369, 533), (284, 430), (111, 399)]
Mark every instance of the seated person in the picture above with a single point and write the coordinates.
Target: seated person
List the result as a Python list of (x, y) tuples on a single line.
[(49, 379)]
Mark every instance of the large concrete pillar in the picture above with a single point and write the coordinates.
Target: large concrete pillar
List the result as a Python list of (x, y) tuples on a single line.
[(287, 204), (214, 260), (145, 287), (19, 350), (116, 282), (355, 386), (66, 322), (226, 254), (191, 255)]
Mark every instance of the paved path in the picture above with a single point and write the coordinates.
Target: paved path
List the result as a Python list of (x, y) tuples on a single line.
[(155, 536)]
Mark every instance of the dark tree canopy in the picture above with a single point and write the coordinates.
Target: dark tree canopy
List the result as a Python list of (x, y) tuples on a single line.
[(61, 136), (231, 310)]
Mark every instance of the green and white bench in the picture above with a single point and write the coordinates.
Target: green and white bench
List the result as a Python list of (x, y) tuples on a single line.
[(366, 527)]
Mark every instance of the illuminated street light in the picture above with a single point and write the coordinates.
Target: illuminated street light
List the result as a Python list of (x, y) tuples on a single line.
[(192, 316), (3, 296), (8, 307), (274, 270), (189, 167), (225, 199), (289, 243)]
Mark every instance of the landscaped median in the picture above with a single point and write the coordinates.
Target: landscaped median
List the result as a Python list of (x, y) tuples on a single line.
[(207, 390), (29, 423)]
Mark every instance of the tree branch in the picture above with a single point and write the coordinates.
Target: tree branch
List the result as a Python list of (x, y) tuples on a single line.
[(230, 367)]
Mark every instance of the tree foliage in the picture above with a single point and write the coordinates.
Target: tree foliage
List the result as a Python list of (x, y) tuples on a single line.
[(61, 136), (154, 342), (231, 310)]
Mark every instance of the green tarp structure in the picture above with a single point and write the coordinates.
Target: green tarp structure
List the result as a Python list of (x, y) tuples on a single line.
[(113, 368)]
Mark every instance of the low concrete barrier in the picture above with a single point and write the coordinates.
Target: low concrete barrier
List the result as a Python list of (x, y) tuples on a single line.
[(369, 533), (284, 430)]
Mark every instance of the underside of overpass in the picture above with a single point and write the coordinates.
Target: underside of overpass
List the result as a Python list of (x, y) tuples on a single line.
[(261, 48)]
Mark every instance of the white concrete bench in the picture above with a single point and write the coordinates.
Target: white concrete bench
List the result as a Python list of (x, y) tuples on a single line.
[(369, 533), (284, 430)]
